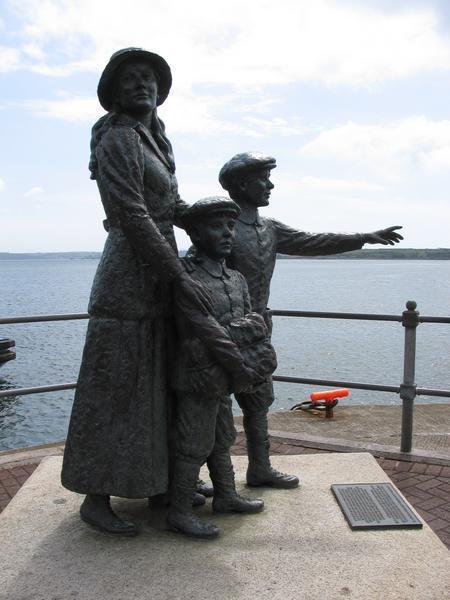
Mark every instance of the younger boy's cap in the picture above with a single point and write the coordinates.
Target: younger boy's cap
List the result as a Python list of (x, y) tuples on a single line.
[(207, 207), (242, 163)]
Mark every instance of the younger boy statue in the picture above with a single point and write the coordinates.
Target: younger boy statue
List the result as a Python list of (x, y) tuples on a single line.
[(227, 351), (246, 177)]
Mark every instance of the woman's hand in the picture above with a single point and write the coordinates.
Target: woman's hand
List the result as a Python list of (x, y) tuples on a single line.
[(193, 292)]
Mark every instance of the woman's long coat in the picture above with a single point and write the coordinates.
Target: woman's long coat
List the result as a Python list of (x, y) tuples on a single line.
[(117, 442)]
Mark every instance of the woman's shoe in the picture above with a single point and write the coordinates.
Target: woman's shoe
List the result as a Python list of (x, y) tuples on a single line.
[(97, 512)]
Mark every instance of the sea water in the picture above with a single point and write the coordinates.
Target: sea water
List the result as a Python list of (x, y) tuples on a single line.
[(365, 351)]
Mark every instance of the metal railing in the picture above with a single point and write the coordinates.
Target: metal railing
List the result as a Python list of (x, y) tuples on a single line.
[(410, 319)]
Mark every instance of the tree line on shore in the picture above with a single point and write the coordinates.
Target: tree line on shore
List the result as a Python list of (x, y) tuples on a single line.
[(369, 253)]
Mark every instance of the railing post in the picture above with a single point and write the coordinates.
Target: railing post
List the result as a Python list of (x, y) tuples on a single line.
[(410, 320)]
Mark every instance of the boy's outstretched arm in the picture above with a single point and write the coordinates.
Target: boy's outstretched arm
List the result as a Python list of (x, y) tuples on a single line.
[(301, 243)]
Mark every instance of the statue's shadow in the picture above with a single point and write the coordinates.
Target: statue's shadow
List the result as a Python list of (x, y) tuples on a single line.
[(74, 560)]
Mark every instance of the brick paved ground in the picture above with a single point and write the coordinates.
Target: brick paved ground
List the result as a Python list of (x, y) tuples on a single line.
[(426, 486), (11, 480)]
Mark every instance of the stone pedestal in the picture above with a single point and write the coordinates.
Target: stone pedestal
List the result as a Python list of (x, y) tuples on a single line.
[(300, 547)]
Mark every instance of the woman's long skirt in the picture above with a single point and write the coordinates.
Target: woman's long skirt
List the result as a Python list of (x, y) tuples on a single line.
[(117, 442)]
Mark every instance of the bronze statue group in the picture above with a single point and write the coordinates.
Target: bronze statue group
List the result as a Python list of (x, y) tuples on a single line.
[(169, 339)]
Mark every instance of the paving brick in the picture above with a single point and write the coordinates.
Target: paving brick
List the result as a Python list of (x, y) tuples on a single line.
[(400, 476), (19, 471), (445, 472), (428, 484), (438, 524), (440, 493), (403, 466), (406, 483), (22, 478), (444, 537), (434, 470), (431, 503), (15, 485), (443, 513), (5, 474), (419, 468), (292, 450), (389, 463), (417, 494), (238, 451), (8, 481), (425, 514), (423, 477)]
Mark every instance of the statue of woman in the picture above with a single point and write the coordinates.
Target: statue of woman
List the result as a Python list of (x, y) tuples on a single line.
[(117, 443)]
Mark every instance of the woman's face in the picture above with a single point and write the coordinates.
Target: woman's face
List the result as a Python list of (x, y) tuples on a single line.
[(137, 88)]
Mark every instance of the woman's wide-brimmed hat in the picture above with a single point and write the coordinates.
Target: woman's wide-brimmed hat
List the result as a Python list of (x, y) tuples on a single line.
[(105, 90)]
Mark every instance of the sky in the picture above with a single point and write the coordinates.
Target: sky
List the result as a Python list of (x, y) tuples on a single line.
[(352, 98)]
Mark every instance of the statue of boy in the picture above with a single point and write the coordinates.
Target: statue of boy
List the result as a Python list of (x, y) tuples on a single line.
[(246, 177), (210, 366)]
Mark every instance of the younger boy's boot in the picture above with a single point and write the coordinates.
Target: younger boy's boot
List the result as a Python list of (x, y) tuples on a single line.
[(180, 516), (260, 472), (226, 499)]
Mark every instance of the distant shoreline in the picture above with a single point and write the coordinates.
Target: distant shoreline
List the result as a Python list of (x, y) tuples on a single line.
[(364, 254)]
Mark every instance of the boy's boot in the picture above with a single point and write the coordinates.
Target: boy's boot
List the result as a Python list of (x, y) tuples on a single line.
[(205, 489), (180, 516), (226, 499), (260, 472)]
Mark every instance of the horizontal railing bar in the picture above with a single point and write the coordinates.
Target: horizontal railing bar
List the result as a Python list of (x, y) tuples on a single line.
[(43, 318), (336, 315), (334, 383), (38, 390), (282, 378), (428, 392), (434, 319), (277, 313)]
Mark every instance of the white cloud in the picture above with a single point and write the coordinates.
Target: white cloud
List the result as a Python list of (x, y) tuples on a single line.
[(391, 150), (34, 51), (9, 59), (292, 182), (186, 113), (74, 109), (276, 126), (2, 185), (34, 191), (242, 44), (438, 159)]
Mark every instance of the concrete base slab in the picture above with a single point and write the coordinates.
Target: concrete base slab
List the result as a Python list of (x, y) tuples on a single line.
[(299, 548)]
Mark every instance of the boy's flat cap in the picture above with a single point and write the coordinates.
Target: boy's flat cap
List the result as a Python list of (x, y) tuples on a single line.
[(209, 206), (242, 163)]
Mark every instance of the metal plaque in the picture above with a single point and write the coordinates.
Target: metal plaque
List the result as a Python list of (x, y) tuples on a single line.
[(374, 506)]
